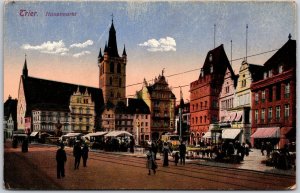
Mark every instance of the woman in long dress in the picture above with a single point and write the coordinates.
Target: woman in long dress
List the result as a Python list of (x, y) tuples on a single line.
[(166, 151), (151, 163)]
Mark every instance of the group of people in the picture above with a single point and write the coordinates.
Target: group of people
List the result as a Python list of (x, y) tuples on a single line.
[(229, 148), (78, 152), (268, 147), (166, 151)]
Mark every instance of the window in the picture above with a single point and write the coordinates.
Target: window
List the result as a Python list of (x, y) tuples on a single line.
[(80, 110), (262, 119), (278, 113), (111, 94), (286, 111), (119, 68), (211, 69), (287, 90), (255, 116), (205, 119), (112, 66), (263, 96), (270, 114), (201, 119), (278, 92), (87, 110), (110, 81), (270, 73), (196, 120), (87, 120), (270, 94), (205, 103), (243, 83), (120, 82), (256, 98), (215, 104), (265, 75), (227, 89), (280, 69), (201, 105)]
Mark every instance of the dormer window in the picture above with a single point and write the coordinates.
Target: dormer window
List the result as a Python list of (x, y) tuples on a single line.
[(270, 73), (211, 69), (202, 73), (265, 75), (210, 58), (280, 69)]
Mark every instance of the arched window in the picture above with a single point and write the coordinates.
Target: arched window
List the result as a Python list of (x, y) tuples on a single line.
[(120, 82), (110, 81), (112, 67), (119, 68)]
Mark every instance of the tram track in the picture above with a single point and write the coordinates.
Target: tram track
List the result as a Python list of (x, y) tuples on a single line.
[(236, 178)]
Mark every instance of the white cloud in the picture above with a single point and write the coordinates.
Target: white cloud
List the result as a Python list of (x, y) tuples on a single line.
[(81, 54), (48, 47), (162, 45), (82, 45)]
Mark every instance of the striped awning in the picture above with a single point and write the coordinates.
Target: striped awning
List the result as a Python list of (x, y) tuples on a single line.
[(268, 132), (238, 116), (232, 116)]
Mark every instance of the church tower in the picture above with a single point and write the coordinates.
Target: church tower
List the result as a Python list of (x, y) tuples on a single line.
[(112, 70)]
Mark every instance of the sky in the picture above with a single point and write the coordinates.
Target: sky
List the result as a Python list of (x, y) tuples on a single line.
[(174, 36)]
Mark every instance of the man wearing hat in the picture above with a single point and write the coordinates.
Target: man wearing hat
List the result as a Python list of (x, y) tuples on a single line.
[(61, 158), (77, 154)]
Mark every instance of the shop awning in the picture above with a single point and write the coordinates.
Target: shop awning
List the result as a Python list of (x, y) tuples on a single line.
[(207, 135), (230, 133), (232, 117), (118, 133), (72, 135), (97, 134), (238, 116), (33, 134), (268, 132)]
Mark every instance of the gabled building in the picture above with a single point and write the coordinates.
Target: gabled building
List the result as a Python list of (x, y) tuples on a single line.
[(248, 73), (133, 117), (204, 93), (161, 102), (226, 105), (112, 70), (10, 116), (274, 99), (43, 103)]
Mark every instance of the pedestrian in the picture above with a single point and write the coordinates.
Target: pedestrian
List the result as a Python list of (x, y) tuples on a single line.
[(131, 144), (242, 151), (151, 163), (154, 148), (61, 159), (85, 154), (182, 152), (262, 148), (176, 158), (247, 149), (166, 152), (269, 149), (77, 154)]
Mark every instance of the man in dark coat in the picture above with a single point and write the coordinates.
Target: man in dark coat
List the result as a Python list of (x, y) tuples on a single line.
[(77, 155), (61, 158), (182, 152), (85, 154)]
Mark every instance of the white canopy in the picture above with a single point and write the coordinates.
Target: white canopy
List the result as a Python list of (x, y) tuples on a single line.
[(72, 135), (97, 134), (33, 134), (118, 133), (207, 135), (230, 133)]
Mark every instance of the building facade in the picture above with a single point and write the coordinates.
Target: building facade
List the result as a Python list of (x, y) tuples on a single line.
[(204, 93), (10, 117), (41, 103), (112, 70), (248, 73), (161, 102), (274, 99)]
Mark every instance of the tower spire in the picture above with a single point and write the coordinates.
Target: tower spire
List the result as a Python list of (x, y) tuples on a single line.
[(25, 70), (124, 51), (100, 54), (112, 41)]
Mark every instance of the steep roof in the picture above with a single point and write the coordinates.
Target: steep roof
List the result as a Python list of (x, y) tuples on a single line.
[(161, 80), (138, 106), (53, 95), (286, 54), (256, 72), (10, 107), (219, 61)]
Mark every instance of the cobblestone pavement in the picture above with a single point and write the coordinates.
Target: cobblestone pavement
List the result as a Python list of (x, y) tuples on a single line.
[(36, 170)]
